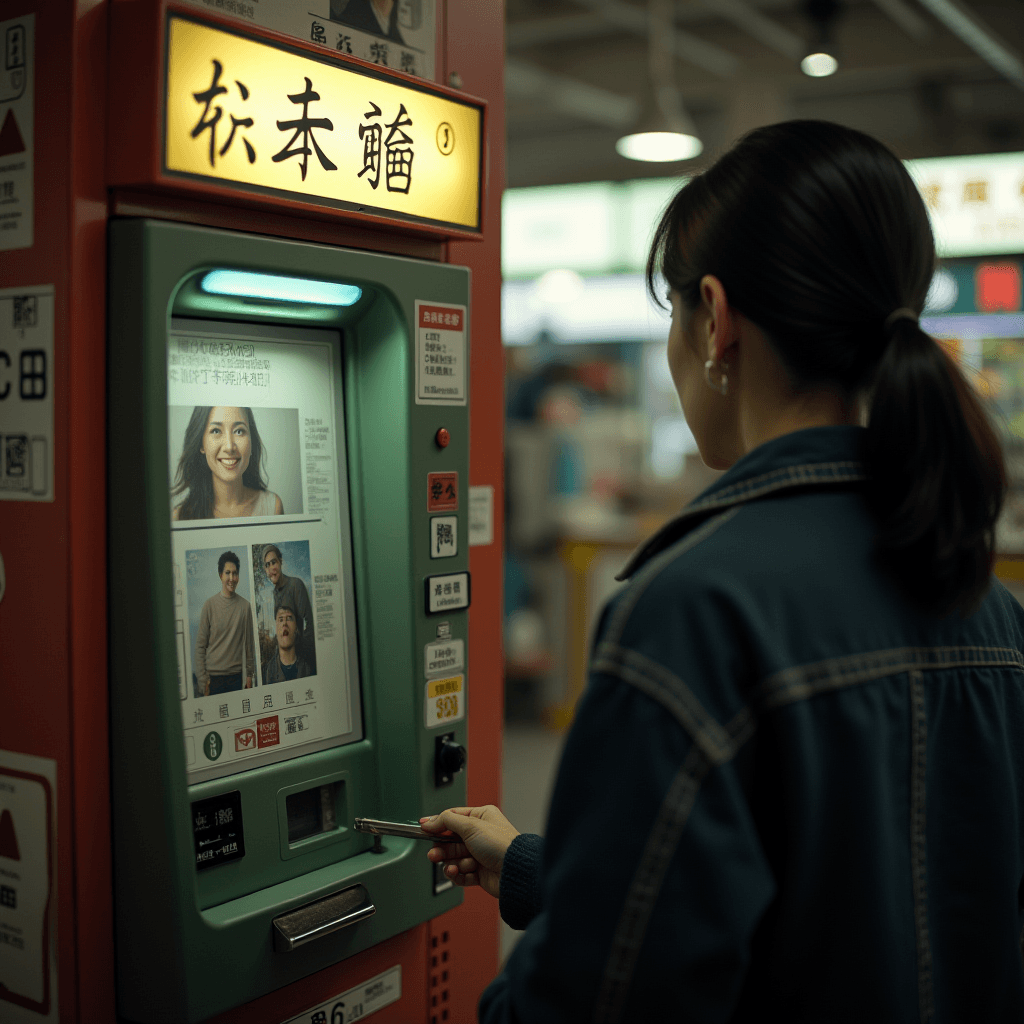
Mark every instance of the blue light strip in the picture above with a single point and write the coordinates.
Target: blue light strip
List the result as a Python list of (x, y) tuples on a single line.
[(249, 285)]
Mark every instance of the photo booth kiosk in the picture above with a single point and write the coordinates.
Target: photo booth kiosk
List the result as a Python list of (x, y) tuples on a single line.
[(271, 511)]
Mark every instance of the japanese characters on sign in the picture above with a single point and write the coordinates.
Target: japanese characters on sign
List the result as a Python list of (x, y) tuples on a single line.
[(976, 203), (398, 34), (255, 115)]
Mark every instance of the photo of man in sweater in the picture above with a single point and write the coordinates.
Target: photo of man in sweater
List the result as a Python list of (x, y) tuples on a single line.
[(225, 657)]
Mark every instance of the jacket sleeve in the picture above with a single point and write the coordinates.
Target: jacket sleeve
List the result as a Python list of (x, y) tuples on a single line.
[(305, 609), (519, 889), (653, 881)]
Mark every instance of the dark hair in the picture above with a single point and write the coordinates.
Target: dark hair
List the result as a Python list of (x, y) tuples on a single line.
[(286, 608), (818, 233), (267, 548), (193, 474), (228, 556)]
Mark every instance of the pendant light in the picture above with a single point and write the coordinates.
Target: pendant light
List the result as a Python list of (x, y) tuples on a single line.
[(666, 132), (821, 58)]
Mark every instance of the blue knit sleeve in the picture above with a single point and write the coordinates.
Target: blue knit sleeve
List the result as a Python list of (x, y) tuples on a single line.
[(519, 889)]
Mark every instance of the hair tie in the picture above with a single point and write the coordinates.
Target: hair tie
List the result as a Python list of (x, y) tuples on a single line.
[(900, 314)]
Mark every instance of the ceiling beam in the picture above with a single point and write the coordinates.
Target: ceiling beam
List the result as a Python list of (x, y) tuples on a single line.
[(907, 18), (761, 28), (684, 45), (979, 38), (569, 95), (564, 28)]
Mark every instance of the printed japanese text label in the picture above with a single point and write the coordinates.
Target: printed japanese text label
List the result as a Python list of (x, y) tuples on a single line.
[(262, 116), (445, 701)]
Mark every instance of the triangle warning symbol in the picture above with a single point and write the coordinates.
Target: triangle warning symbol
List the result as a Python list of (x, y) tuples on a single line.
[(10, 136), (8, 840)]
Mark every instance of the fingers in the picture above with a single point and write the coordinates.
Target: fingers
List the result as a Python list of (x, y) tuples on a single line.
[(449, 851)]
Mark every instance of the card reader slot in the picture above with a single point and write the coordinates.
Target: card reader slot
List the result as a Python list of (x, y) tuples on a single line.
[(322, 917)]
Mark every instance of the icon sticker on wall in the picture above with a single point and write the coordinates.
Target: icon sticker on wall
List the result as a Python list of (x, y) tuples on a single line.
[(444, 536)]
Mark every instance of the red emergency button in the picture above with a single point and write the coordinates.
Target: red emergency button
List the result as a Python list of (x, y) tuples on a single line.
[(442, 437)]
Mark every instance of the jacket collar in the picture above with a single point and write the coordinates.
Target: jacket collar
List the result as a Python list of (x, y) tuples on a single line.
[(812, 457)]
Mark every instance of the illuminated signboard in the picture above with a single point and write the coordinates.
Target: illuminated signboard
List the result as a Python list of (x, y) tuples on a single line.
[(269, 118)]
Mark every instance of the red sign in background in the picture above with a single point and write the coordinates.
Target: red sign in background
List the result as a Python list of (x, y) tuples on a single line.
[(442, 492)]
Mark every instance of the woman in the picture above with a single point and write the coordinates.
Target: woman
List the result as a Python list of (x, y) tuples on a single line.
[(221, 467), (794, 787)]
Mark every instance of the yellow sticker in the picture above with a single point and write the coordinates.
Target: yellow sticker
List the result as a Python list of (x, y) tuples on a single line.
[(246, 112), (445, 701)]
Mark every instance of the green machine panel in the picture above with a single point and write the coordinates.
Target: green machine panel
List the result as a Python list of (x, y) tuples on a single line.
[(289, 592)]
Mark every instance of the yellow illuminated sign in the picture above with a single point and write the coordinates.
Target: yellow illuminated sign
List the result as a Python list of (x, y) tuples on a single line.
[(246, 112)]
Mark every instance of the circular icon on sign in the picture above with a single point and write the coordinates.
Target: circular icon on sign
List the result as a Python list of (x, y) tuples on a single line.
[(212, 746), (445, 138)]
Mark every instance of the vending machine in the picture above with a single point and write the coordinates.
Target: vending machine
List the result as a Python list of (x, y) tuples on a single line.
[(250, 497)]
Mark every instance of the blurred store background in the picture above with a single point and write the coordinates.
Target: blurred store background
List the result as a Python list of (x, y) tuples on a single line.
[(598, 454)]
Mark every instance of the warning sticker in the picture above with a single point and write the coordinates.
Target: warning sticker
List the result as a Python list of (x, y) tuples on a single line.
[(17, 85), (445, 701), (26, 393), (28, 923), (440, 354)]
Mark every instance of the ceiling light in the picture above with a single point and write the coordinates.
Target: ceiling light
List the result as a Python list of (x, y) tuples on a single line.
[(819, 65), (821, 55), (249, 285), (659, 147)]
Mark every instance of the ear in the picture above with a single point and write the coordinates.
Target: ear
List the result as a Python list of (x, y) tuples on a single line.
[(720, 320)]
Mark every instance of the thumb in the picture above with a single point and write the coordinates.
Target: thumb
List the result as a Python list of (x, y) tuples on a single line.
[(461, 824)]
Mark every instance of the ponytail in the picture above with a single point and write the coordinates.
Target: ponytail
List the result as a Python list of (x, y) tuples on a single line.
[(818, 234), (937, 477)]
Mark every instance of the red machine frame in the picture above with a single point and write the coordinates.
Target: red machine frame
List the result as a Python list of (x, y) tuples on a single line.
[(98, 82)]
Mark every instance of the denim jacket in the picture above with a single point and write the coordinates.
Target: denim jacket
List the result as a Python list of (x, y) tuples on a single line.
[(787, 794)]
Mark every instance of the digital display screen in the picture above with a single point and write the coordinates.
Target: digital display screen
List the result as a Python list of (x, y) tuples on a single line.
[(261, 545)]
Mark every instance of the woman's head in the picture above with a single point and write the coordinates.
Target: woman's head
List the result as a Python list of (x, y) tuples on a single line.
[(814, 234), (222, 442)]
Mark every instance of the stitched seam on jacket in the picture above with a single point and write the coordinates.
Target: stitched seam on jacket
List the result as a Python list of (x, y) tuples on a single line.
[(834, 472), (673, 694), (628, 601), (803, 681), (918, 764), (643, 891), (788, 477)]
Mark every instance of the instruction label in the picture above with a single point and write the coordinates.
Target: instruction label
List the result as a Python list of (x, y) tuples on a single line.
[(28, 921), (440, 354), (447, 593), (356, 1003), (26, 393), (17, 87), (441, 656), (445, 701)]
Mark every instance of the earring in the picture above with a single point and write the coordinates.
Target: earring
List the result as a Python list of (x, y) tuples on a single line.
[(723, 387)]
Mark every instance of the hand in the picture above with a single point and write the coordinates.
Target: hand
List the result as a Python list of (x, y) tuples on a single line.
[(206, 688), (477, 860), (248, 682)]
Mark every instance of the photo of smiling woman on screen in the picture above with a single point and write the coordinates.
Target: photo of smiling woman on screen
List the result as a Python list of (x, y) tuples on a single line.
[(221, 467)]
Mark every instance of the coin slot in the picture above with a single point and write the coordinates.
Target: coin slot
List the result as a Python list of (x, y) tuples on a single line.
[(312, 812)]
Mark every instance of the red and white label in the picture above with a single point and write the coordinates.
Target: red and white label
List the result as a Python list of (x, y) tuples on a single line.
[(268, 731), (442, 492), (441, 371), (245, 739)]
